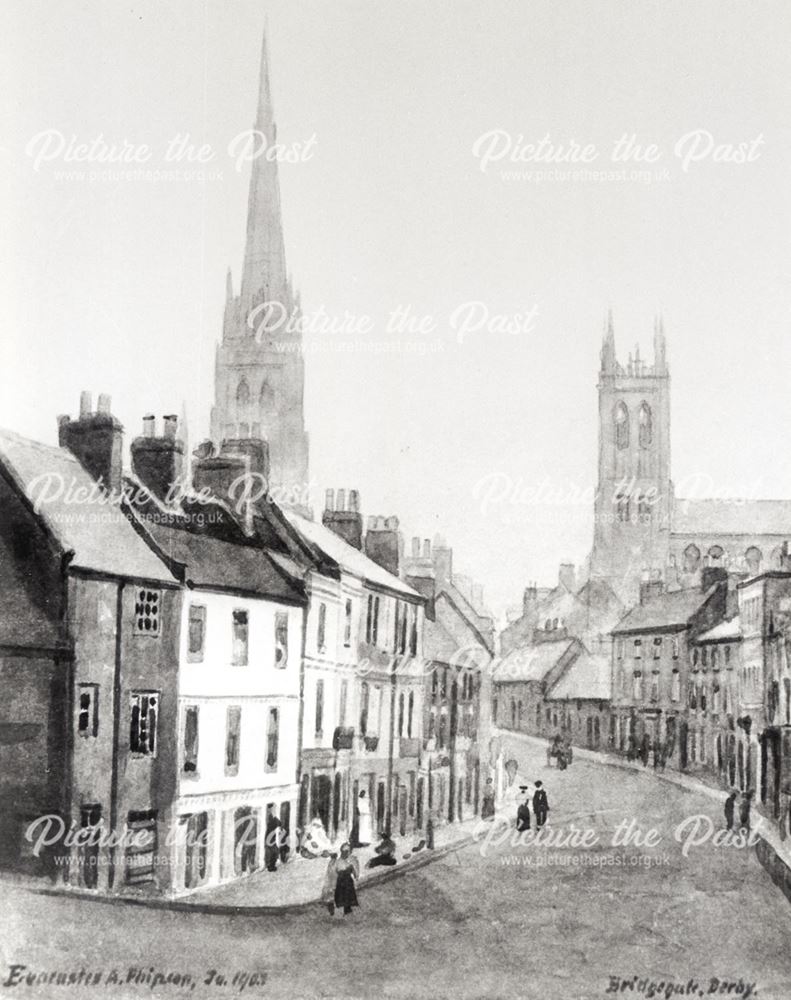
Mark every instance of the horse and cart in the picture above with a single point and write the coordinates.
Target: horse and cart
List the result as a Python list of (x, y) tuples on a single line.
[(560, 752)]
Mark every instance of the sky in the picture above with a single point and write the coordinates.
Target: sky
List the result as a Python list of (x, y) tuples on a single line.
[(483, 425)]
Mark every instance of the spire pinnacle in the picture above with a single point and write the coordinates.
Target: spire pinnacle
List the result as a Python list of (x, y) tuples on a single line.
[(264, 114), (228, 286)]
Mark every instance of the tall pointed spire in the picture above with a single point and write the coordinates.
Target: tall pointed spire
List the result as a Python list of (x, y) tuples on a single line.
[(608, 346), (264, 272), (660, 354)]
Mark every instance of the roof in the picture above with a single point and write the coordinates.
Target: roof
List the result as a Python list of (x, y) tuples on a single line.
[(533, 662), (588, 677), (725, 631), (213, 563), (668, 610), (350, 559), (81, 518), (451, 632), (731, 517)]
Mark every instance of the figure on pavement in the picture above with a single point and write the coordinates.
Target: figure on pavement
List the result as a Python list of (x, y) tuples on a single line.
[(540, 805)]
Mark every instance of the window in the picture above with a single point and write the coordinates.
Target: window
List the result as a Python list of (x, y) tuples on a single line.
[(347, 625), (147, 608), (676, 647), (88, 710), (321, 632), (695, 657), (404, 614), (657, 647), (645, 426), (396, 626), (637, 686), (643, 508), (281, 639), (413, 632), (693, 694), (190, 765), (233, 725), (691, 558), (365, 695), (411, 709), (196, 633), (319, 707), (704, 657), (655, 686), (622, 502), (638, 648), (675, 686), (143, 726), (619, 648), (621, 426), (375, 625), (401, 714), (369, 620), (240, 639), (272, 739)]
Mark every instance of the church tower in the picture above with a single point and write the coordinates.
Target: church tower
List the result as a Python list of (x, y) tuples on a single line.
[(634, 496), (259, 374)]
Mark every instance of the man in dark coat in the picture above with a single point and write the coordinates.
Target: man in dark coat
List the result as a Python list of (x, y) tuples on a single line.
[(744, 811), (272, 840), (523, 813), (540, 805), (730, 809)]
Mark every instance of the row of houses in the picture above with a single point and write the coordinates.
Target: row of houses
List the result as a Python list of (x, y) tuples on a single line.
[(695, 679), (181, 666)]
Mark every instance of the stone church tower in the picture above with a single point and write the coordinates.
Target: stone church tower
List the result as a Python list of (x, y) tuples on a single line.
[(634, 500), (259, 368)]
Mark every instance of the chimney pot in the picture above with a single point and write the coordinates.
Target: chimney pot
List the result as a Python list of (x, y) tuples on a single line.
[(354, 501), (85, 404), (426, 548), (170, 424), (372, 522), (415, 548), (329, 500), (341, 500), (103, 404), (149, 425), (391, 523)]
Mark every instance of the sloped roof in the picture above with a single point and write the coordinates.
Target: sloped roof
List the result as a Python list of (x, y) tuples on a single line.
[(732, 517), (663, 611), (589, 676), (350, 559), (533, 662), (451, 632), (728, 630), (94, 528), (211, 562)]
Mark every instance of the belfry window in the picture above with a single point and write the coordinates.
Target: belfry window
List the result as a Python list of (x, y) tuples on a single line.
[(621, 426), (243, 393), (645, 426)]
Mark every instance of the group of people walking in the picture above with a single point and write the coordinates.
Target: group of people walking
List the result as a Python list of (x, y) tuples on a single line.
[(744, 806), (535, 800)]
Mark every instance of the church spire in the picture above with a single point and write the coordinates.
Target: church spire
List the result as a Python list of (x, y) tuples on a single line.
[(608, 346), (264, 271)]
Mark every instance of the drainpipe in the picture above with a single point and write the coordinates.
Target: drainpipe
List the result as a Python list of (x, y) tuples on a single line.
[(119, 620)]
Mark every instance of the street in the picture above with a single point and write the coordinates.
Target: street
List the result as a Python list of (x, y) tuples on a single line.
[(486, 921)]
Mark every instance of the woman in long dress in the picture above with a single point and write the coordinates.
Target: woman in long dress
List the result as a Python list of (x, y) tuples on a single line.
[(364, 831), (487, 806), (345, 870)]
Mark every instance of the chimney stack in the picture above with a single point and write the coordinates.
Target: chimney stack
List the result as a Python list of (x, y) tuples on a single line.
[(95, 440), (383, 543), (443, 561), (419, 574), (158, 462), (347, 524)]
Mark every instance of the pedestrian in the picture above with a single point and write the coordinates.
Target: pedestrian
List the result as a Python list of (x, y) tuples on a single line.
[(645, 750), (523, 812), (729, 809), (272, 839), (384, 851), (487, 805), (540, 805), (744, 811), (346, 870)]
